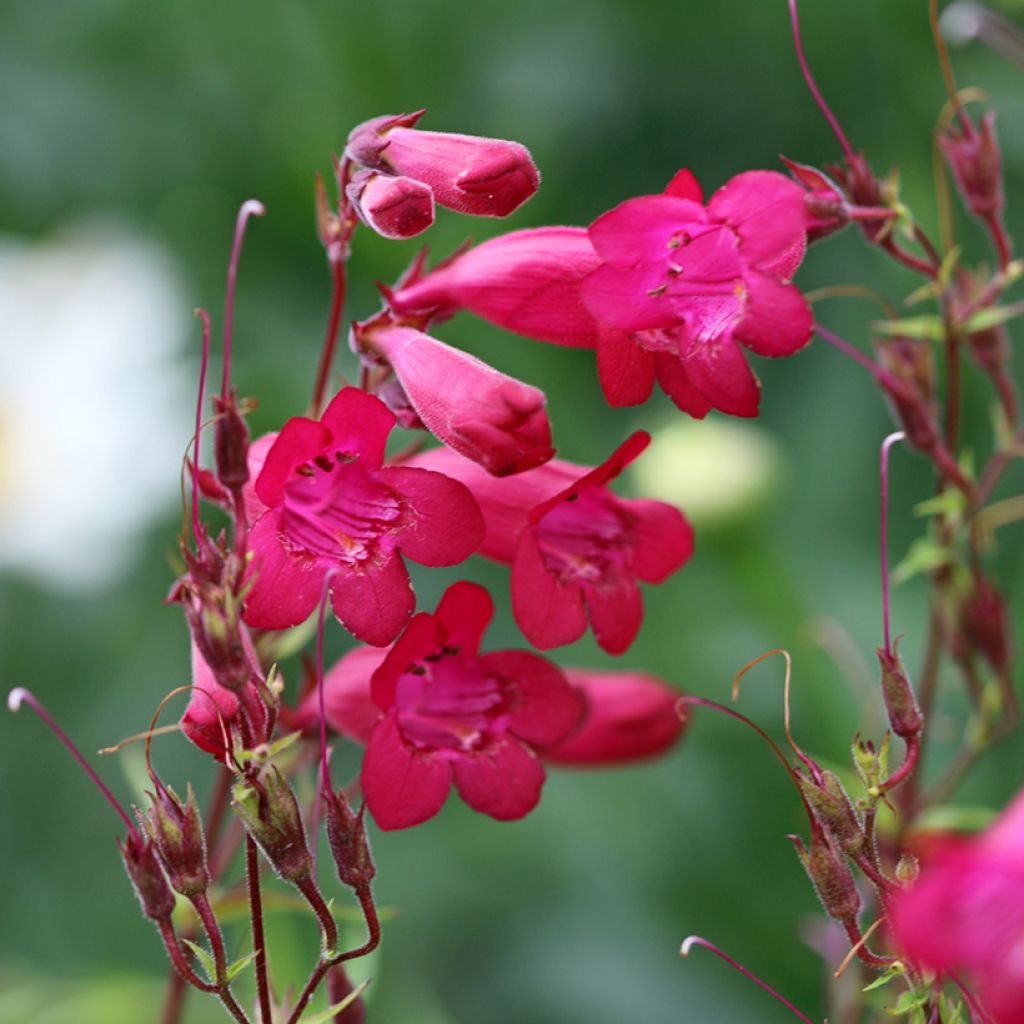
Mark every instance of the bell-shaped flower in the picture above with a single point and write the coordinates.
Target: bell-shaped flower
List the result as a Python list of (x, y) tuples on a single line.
[(467, 173), (331, 507), (526, 281), (482, 413), (630, 716), (451, 715), (393, 206), (965, 914), (577, 550), (682, 286)]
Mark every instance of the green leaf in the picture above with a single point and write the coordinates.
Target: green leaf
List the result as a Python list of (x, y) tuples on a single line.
[(925, 554), (325, 1015), (950, 503), (895, 971), (993, 316), (928, 327), (240, 964), (908, 1001), (204, 958)]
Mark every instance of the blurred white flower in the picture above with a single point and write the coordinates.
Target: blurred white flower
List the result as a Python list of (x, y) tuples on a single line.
[(716, 470), (94, 400)]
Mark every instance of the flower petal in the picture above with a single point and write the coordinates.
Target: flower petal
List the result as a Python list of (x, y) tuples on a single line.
[(348, 705), (640, 230), (359, 424), (403, 785), (549, 612), (778, 321), (684, 185), (548, 707), (465, 611), (676, 383), (628, 298), (625, 369), (420, 638), (503, 781), (766, 209), (616, 610), (663, 539), (443, 524), (374, 601), (286, 586), (719, 371), (300, 440)]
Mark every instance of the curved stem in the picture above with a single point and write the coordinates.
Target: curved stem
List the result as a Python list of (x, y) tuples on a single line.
[(259, 943), (328, 927), (212, 929), (180, 962), (250, 208), (197, 531)]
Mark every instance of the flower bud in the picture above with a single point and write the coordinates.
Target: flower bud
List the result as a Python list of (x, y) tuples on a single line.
[(483, 414), (177, 834), (832, 807), (394, 206), (527, 282), (272, 817), (900, 700), (824, 204), (467, 173), (350, 846), (629, 716), (147, 877), (984, 622), (974, 158), (831, 877), (910, 388), (231, 443), (862, 188)]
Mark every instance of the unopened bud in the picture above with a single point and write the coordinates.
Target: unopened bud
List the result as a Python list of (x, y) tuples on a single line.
[(272, 817), (392, 205), (831, 877), (910, 388), (984, 623), (350, 845), (900, 700), (834, 810), (177, 833), (974, 158), (147, 877), (231, 444)]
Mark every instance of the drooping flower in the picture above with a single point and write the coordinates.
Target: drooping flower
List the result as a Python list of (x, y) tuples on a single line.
[(330, 506), (577, 550), (525, 281), (451, 715), (482, 413), (467, 173), (965, 914), (629, 716), (682, 286)]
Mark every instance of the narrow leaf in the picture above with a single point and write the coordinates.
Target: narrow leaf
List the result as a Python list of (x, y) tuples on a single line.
[(204, 958), (332, 1011)]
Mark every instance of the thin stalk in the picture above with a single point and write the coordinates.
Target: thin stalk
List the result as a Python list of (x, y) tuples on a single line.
[(887, 444), (863, 953), (259, 942), (328, 927), (250, 208), (947, 67), (323, 373), (212, 929), (181, 965), (197, 531)]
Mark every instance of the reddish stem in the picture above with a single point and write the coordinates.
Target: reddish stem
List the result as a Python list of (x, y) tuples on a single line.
[(910, 759), (259, 943), (250, 208), (999, 239), (323, 372), (863, 953), (897, 435), (181, 965), (197, 532), (212, 929), (696, 940), (909, 260), (952, 388), (847, 349)]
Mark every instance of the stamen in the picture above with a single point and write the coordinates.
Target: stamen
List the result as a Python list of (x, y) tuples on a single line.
[(18, 696), (196, 527), (696, 940), (164, 730), (897, 435), (250, 208), (818, 98)]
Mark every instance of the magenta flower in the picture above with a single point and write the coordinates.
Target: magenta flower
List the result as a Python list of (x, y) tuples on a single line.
[(965, 913), (467, 173), (526, 281), (330, 507), (630, 716), (577, 550), (453, 715), (482, 413), (394, 207), (682, 286)]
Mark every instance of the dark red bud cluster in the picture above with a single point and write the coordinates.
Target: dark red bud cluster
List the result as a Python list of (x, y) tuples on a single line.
[(176, 832), (271, 815), (862, 188), (147, 877), (231, 443), (350, 846), (974, 158), (909, 384)]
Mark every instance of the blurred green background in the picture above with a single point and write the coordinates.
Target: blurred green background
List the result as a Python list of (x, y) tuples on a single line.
[(163, 117)]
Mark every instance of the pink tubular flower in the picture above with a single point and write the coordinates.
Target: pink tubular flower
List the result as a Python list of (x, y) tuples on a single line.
[(467, 173), (629, 716), (453, 715), (394, 207), (576, 549), (526, 281), (965, 913), (483, 414), (681, 286), (330, 507)]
